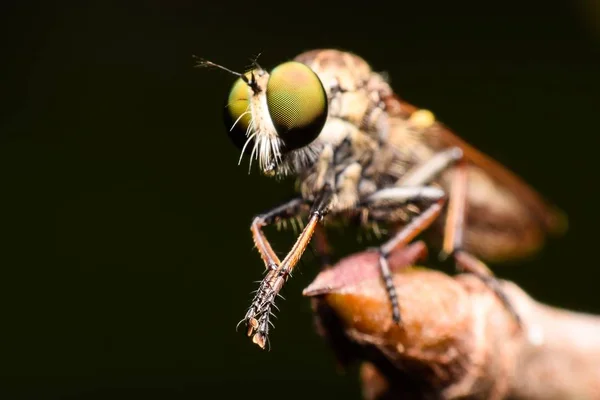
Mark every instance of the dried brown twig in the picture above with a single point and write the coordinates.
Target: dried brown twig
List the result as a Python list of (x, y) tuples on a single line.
[(456, 340)]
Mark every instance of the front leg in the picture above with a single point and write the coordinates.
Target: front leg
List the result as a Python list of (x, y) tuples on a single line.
[(320, 194), (258, 316), (288, 209)]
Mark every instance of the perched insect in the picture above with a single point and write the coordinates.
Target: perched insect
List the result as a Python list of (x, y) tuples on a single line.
[(362, 154)]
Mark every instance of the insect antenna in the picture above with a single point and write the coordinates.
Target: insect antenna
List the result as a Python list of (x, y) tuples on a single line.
[(254, 61), (203, 63)]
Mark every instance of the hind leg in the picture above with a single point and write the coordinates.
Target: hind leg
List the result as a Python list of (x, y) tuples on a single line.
[(453, 240), (402, 195)]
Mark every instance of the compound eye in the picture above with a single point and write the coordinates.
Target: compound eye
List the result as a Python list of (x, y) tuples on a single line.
[(297, 104), (237, 115)]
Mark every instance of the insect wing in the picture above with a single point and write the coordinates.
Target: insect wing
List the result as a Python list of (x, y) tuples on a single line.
[(437, 136)]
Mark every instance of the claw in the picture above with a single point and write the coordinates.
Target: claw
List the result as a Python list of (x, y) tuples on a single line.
[(252, 326), (257, 318), (259, 339)]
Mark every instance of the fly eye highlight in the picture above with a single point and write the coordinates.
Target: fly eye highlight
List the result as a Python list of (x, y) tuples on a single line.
[(297, 104)]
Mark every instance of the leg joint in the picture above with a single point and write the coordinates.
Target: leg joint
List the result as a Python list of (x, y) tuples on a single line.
[(317, 213), (383, 252), (287, 209)]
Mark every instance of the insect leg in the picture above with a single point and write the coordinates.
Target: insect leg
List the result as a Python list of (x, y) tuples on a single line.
[(453, 240), (259, 314), (322, 247), (401, 195), (427, 171), (408, 188), (288, 209)]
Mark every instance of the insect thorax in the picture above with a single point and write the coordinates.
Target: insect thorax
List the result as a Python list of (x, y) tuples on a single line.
[(353, 142)]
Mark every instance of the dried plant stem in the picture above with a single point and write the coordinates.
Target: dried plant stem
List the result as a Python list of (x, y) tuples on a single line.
[(456, 340)]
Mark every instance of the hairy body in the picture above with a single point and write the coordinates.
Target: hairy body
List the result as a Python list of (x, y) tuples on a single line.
[(378, 139), (365, 155)]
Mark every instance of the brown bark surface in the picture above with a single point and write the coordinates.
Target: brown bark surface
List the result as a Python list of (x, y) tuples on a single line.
[(456, 339)]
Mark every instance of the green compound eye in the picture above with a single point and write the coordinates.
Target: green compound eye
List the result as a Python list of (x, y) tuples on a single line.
[(238, 103), (297, 104)]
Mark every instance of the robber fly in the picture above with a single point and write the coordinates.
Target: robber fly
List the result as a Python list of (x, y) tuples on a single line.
[(360, 153)]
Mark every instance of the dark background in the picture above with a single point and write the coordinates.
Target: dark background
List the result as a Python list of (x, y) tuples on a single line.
[(125, 253)]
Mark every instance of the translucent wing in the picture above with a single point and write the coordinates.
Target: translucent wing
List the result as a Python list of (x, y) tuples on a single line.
[(437, 136)]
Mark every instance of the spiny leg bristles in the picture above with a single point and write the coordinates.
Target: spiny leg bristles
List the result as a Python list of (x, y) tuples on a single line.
[(257, 318)]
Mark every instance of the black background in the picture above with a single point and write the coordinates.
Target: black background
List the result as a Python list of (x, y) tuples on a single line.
[(125, 254)]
